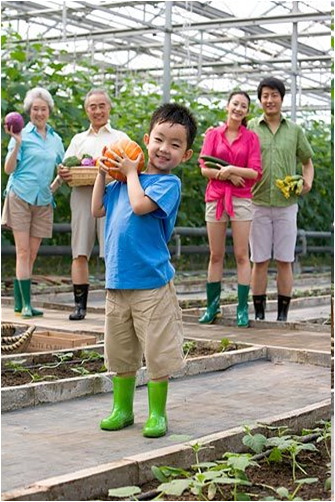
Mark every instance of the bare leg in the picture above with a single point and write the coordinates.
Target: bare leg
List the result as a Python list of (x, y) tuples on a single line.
[(35, 243), (259, 277), (80, 270), (217, 245), (284, 278), (241, 250)]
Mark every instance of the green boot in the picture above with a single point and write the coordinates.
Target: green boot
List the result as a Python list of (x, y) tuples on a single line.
[(122, 414), (25, 288), (242, 316), (156, 425), (18, 301), (213, 311)]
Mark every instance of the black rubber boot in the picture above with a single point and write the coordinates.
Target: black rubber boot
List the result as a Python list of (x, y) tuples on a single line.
[(80, 298), (283, 306), (259, 306)]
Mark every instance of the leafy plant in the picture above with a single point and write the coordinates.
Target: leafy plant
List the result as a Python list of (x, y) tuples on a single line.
[(18, 367), (284, 494), (62, 358), (188, 347)]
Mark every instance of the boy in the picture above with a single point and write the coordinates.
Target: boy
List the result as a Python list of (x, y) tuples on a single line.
[(142, 311)]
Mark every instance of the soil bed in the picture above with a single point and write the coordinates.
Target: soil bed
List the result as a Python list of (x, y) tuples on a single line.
[(74, 366), (271, 474)]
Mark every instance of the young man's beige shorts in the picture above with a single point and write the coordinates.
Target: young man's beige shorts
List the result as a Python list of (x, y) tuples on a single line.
[(21, 216), (84, 227), (144, 321), (273, 229), (242, 211)]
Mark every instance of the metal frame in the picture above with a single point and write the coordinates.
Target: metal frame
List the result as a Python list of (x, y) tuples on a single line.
[(200, 43)]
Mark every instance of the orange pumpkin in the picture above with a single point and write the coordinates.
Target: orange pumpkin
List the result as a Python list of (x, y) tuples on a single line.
[(131, 149)]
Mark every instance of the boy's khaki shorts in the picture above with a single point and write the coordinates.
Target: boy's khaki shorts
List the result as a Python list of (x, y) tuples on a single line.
[(21, 216), (144, 321)]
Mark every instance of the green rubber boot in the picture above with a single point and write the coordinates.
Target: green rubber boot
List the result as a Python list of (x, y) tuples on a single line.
[(156, 425), (242, 316), (122, 415), (18, 301), (25, 288), (213, 311)]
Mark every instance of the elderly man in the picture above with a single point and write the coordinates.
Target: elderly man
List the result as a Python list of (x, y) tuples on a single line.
[(83, 226)]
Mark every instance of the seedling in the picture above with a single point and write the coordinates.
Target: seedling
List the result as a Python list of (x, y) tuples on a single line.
[(284, 494), (18, 367), (187, 347), (62, 358), (224, 344)]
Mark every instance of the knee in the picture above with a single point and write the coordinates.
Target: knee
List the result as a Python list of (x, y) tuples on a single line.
[(216, 258), (23, 254), (242, 259)]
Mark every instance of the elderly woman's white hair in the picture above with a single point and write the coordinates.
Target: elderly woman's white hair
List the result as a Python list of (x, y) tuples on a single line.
[(38, 93)]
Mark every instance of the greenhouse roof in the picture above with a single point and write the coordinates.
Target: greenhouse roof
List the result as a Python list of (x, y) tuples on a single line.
[(215, 45)]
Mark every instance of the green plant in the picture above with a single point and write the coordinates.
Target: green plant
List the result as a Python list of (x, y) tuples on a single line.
[(62, 358), (224, 344), (289, 447), (283, 493), (188, 347), (18, 367)]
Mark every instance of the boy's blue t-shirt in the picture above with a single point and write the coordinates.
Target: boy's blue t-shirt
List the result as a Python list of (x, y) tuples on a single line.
[(136, 251)]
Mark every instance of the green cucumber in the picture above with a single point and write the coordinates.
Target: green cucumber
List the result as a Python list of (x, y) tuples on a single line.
[(209, 158), (212, 165)]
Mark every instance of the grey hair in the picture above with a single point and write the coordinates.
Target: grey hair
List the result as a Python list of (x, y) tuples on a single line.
[(38, 93), (98, 91)]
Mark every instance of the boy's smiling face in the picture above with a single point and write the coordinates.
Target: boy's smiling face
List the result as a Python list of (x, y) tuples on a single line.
[(167, 147)]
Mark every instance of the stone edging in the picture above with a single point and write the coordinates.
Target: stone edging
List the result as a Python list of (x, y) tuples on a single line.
[(23, 396)]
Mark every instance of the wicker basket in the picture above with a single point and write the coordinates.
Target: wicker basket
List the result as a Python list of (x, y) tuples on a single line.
[(85, 176), (15, 338)]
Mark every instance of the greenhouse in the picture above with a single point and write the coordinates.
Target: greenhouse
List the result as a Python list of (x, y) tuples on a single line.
[(167, 250)]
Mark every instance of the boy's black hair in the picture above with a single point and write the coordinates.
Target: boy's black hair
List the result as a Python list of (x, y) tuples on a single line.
[(273, 83), (176, 114)]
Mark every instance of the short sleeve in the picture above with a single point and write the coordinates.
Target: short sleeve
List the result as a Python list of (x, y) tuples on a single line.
[(166, 193), (11, 146), (208, 145), (304, 149), (254, 154)]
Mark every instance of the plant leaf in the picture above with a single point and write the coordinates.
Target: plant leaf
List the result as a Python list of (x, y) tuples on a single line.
[(125, 491), (283, 492), (157, 472), (255, 443), (175, 487)]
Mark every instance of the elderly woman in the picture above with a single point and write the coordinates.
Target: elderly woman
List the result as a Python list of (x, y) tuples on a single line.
[(28, 209)]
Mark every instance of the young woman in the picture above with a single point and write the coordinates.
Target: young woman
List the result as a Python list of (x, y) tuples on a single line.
[(32, 157), (228, 197)]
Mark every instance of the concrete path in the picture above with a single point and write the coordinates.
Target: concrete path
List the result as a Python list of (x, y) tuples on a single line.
[(278, 336), (51, 440)]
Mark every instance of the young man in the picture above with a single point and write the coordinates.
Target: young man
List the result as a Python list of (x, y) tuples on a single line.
[(84, 227), (274, 224), (142, 311)]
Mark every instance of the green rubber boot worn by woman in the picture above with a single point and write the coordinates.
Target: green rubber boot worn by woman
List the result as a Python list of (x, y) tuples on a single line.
[(18, 301), (122, 415), (213, 310), (156, 425), (242, 315)]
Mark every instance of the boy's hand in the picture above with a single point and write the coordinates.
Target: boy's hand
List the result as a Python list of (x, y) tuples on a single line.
[(102, 168), (124, 164)]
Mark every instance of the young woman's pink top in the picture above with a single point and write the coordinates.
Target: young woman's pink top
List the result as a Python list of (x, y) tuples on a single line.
[(244, 151)]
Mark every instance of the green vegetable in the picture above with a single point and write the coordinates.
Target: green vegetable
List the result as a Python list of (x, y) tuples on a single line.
[(86, 156), (209, 158), (213, 165), (71, 161)]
